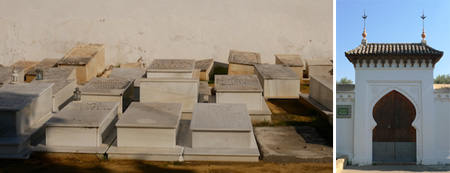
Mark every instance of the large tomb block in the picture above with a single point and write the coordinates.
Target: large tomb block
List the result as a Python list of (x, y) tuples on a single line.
[(170, 90), (292, 60), (171, 68), (318, 66), (151, 125), (205, 67), (278, 81), (82, 124), (239, 89), (22, 105), (221, 126), (62, 91), (109, 90), (88, 59), (6, 72), (241, 62), (130, 73), (44, 64), (321, 90)]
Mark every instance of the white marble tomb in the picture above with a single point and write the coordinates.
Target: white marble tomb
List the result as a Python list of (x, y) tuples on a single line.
[(6, 72), (318, 66), (293, 61), (109, 90), (81, 124), (130, 73), (171, 68), (62, 91), (241, 62), (278, 81), (321, 90)]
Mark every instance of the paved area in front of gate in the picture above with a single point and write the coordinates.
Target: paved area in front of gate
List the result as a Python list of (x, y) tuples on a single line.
[(396, 168)]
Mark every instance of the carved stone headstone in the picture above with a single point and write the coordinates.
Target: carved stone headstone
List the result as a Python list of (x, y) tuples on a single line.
[(83, 124), (278, 81), (109, 89), (89, 60)]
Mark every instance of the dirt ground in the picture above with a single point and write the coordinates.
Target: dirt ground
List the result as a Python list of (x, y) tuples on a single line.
[(89, 163)]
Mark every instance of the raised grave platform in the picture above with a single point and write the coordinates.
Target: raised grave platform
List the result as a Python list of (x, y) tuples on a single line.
[(278, 81), (171, 68), (130, 73), (62, 91), (241, 62), (88, 59), (220, 132), (109, 90), (148, 131), (321, 90), (81, 127), (318, 66)]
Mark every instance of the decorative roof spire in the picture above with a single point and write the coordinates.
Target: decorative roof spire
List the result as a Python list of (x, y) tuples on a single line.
[(364, 34), (423, 28)]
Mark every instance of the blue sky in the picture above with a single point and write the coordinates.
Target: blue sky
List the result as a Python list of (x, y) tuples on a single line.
[(391, 21)]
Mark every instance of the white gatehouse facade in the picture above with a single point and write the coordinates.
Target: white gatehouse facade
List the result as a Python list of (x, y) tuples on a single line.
[(393, 114)]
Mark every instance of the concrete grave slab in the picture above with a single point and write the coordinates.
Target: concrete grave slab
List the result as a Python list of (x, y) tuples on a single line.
[(44, 64), (241, 62), (278, 81), (294, 61), (181, 90), (318, 66), (171, 68), (62, 91), (205, 67), (109, 90), (130, 73), (88, 59), (239, 89), (321, 90)]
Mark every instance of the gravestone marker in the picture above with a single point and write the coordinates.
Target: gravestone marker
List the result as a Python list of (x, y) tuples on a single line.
[(278, 81)]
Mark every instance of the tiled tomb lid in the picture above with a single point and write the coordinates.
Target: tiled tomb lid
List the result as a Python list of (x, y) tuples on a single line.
[(220, 117), (83, 114), (237, 83), (151, 115), (269, 71)]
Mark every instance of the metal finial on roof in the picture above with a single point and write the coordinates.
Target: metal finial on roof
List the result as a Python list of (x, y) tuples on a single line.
[(364, 34), (423, 24)]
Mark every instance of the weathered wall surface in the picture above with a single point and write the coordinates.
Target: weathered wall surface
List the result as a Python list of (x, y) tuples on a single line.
[(151, 29)]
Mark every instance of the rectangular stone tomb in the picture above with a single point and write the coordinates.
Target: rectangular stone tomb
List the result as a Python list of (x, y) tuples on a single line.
[(205, 67), (62, 91), (81, 124), (6, 72), (130, 73), (60, 73), (278, 81), (318, 66), (292, 60), (241, 62), (149, 125), (204, 92), (321, 90), (88, 59), (109, 90), (24, 108), (239, 89), (44, 64), (221, 132), (170, 91), (171, 68)]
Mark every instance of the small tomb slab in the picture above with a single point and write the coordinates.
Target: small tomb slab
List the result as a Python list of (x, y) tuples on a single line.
[(204, 92), (62, 91), (292, 60), (109, 90), (241, 62), (81, 124), (88, 59), (278, 81), (318, 66), (221, 132), (6, 72), (205, 67), (44, 64), (321, 90), (130, 73), (171, 68)]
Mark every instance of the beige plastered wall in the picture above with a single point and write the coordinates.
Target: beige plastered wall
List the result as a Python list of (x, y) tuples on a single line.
[(194, 29)]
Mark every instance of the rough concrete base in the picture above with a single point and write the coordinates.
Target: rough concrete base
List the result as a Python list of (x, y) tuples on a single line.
[(285, 145)]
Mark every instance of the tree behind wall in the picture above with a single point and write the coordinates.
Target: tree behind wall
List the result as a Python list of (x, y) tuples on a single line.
[(345, 81), (442, 79)]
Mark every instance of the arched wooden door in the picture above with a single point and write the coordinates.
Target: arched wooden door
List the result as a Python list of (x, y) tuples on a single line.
[(394, 137)]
